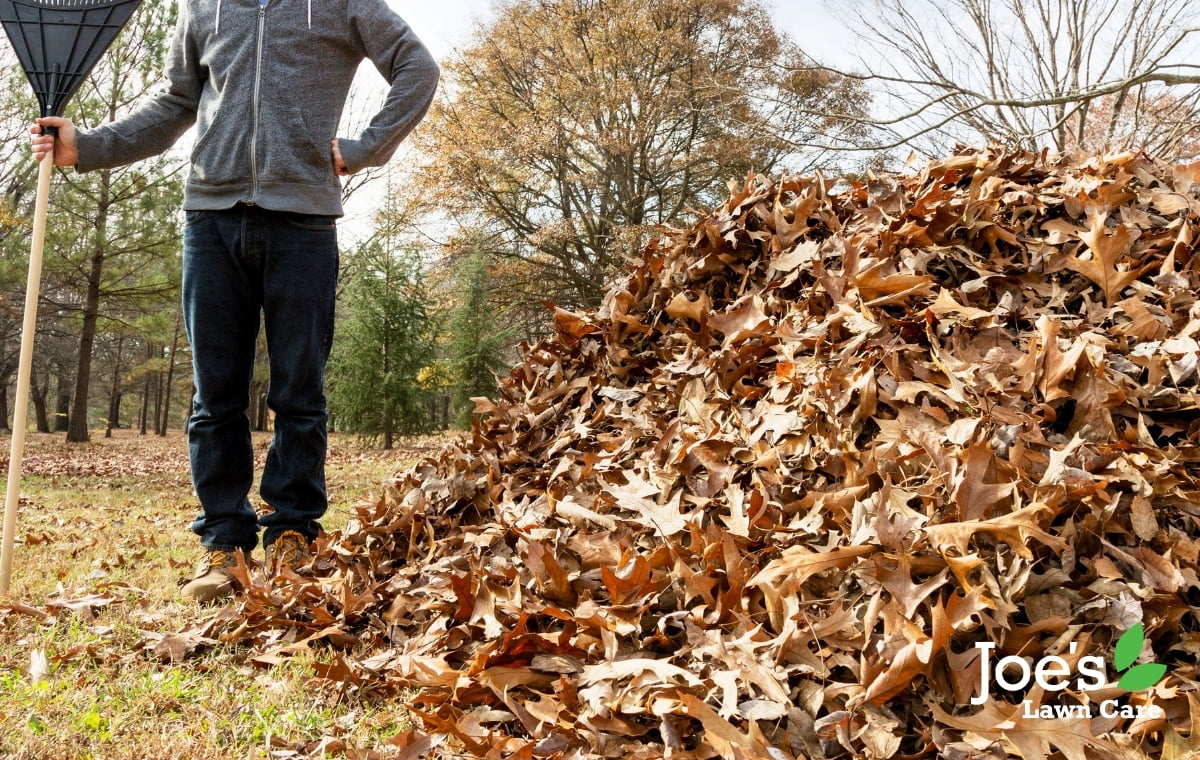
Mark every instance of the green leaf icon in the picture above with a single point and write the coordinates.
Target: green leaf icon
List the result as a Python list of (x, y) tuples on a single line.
[(1129, 646), (1142, 676)]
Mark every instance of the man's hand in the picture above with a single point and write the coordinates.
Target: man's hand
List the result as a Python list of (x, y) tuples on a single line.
[(339, 166), (65, 152)]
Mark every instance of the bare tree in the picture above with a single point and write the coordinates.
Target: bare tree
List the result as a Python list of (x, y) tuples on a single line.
[(571, 129), (1057, 74)]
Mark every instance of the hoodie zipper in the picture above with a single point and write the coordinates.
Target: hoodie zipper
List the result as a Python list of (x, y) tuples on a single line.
[(262, 25)]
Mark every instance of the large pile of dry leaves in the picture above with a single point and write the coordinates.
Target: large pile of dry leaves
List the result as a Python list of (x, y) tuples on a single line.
[(812, 453)]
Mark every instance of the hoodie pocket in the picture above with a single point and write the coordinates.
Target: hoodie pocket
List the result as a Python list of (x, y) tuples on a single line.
[(221, 154), (291, 151)]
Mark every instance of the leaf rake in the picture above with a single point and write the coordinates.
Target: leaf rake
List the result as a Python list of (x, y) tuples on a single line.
[(57, 43)]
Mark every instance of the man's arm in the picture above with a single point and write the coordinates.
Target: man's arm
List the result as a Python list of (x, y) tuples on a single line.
[(158, 122), (411, 72)]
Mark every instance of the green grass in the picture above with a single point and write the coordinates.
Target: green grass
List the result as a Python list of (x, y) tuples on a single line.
[(103, 546)]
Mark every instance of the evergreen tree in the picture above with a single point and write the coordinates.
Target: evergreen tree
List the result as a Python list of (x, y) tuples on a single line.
[(384, 340), (477, 342)]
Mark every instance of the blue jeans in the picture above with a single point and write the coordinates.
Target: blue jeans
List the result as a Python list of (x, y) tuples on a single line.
[(240, 264)]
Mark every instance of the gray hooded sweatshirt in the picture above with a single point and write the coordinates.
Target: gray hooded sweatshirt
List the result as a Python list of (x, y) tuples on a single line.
[(265, 82)]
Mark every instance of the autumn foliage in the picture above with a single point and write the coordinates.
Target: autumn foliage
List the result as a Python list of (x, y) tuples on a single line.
[(811, 452)]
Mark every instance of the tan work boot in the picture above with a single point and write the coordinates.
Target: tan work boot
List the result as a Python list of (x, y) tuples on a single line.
[(290, 551), (213, 580)]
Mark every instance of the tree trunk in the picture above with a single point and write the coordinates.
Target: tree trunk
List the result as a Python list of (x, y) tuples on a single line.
[(4, 407), (37, 394), (258, 405), (77, 430), (252, 412), (146, 392), (388, 417), (145, 405), (77, 426), (264, 411), (62, 406), (158, 399), (114, 398), (162, 431)]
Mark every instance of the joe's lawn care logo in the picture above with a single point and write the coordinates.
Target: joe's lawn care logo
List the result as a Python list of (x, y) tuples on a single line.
[(1054, 673), (1135, 677)]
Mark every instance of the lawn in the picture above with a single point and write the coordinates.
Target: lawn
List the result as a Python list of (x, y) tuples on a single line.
[(102, 548)]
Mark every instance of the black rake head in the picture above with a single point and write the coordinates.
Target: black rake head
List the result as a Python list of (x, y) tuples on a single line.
[(59, 41)]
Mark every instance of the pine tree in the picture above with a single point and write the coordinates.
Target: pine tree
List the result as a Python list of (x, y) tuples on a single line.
[(476, 340), (383, 342)]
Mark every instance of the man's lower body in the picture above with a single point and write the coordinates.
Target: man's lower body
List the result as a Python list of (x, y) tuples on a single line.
[(240, 266)]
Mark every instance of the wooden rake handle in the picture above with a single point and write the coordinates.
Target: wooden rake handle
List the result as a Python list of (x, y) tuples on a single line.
[(25, 369)]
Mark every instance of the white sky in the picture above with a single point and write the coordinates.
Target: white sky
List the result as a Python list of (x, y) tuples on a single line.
[(446, 24)]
